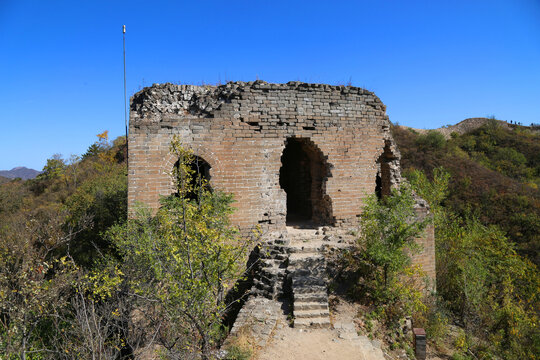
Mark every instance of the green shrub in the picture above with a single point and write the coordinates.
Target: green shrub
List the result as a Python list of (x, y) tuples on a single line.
[(433, 139), (381, 258)]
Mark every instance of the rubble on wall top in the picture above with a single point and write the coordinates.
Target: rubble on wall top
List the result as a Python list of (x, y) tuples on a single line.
[(256, 85), (202, 100)]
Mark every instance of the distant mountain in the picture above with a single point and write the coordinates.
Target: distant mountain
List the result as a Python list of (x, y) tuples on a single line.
[(19, 172)]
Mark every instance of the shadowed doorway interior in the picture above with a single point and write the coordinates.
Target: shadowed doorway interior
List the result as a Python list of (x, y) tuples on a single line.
[(303, 176)]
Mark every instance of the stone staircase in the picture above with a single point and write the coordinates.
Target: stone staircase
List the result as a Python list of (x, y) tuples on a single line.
[(293, 264), (307, 272)]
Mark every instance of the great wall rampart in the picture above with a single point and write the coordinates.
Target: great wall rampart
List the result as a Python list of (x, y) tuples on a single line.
[(290, 153)]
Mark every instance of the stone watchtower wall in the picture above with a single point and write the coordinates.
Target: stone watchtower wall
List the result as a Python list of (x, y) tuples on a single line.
[(254, 135)]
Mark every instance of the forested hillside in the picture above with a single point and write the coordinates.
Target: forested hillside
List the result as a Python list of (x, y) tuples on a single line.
[(495, 176), (78, 281), (52, 236), (483, 190)]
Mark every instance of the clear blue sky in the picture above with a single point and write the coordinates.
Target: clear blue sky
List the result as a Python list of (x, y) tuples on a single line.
[(431, 62)]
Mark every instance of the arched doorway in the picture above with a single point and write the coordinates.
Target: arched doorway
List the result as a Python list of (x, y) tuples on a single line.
[(303, 176)]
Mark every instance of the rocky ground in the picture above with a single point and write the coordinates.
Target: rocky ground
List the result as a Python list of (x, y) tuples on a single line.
[(340, 342)]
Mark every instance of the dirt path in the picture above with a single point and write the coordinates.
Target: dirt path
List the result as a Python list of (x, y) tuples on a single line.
[(291, 344), (342, 342)]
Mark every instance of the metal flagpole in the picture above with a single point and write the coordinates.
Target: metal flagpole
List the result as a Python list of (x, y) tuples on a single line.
[(125, 91)]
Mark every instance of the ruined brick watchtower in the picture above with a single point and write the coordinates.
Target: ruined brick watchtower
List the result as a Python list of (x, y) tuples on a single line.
[(288, 152)]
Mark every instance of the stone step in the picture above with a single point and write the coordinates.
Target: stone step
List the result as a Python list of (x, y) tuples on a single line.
[(313, 289), (307, 243), (305, 235), (312, 305), (309, 231), (312, 271), (274, 254), (307, 281), (304, 249), (261, 283), (305, 254), (270, 263), (266, 289), (274, 271), (312, 323), (312, 313), (276, 247), (268, 284), (271, 278), (307, 270), (304, 238), (280, 256), (265, 281), (315, 270), (311, 297), (263, 288), (298, 258), (283, 242)]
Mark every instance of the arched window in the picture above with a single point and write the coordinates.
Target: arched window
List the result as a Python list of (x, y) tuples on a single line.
[(200, 170), (383, 180)]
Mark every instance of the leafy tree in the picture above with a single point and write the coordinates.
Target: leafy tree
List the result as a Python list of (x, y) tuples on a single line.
[(46, 302), (34, 287), (54, 168), (181, 262), (388, 232), (435, 191), (103, 199), (380, 264), (99, 146)]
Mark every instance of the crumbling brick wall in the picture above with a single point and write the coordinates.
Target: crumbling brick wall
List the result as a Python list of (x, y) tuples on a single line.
[(241, 131)]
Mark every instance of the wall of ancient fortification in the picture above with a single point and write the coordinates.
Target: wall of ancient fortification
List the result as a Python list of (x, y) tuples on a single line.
[(241, 131)]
